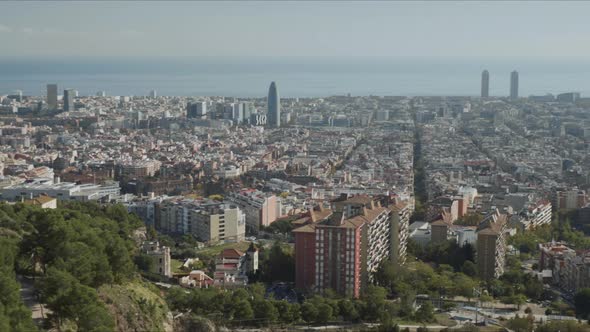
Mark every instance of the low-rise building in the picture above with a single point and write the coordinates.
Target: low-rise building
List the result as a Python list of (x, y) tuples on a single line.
[(45, 202), (233, 266)]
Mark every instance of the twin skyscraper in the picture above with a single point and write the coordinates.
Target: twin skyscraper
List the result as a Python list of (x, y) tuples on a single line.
[(485, 84)]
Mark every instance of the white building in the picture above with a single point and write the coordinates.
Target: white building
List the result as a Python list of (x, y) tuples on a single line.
[(61, 190)]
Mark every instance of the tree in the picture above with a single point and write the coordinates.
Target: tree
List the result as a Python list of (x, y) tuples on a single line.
[(469, 269), (519, 324), (309, 312), (582, 303), (177, 298), (385, 274), (348, 310), (518, 300), (242, 310), (96, 318), (144, 262), (324, 313), (425, 313), (280, 265), (288, 313), (464, 285), (68, 299), (265, 312)]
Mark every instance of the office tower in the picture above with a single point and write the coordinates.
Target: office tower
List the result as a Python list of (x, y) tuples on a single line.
[(247, 111), (196, 109), (238, 112), (52, 96), (69, 95), (514, 85), (485, 84), (274, 106), (153, 94), (101, 94)]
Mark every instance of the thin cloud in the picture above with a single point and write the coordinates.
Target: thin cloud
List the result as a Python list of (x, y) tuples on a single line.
[(130, 33), (4, 28)]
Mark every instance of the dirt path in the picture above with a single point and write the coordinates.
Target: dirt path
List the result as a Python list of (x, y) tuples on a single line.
[(27, 293)]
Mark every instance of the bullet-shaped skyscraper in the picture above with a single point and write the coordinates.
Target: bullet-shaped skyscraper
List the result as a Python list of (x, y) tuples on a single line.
[(514, 85), (274, 106), (52, 96), (485, 84)]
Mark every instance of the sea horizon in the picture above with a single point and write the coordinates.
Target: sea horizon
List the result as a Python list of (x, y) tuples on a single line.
[(296, 76)]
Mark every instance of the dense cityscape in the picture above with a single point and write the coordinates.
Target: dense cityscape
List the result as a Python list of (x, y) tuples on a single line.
[(385, 213)]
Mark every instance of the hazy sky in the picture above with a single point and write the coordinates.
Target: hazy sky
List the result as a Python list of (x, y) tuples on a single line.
[(329, 28)]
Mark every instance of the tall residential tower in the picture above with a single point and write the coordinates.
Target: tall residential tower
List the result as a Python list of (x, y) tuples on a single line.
[(514, 85), (274, 106), (485, 84)]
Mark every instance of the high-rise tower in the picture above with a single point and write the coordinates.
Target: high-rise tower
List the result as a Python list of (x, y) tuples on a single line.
[(52, 96), (485, 84), (69, 95), (274, 106), (514, 85)]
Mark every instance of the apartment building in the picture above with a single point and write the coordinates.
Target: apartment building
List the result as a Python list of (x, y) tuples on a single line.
[(491, 246), (340, 248), (139, 168), (537, 215), (209, 221), (570, 199), (570, 269), (261, 209)]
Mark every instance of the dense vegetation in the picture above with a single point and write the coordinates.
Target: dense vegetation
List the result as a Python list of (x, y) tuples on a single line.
[(559, 230), (14, 316), (251, 307), (72, 251)]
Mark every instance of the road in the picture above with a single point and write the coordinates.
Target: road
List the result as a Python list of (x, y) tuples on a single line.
[(27, 293)]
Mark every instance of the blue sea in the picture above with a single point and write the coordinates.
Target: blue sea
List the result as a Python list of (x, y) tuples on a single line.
[(295, 76)]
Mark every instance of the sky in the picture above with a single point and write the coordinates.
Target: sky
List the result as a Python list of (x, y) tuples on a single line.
[(312, 28)]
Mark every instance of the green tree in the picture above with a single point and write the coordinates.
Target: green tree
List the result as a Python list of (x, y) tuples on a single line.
[(518, 300), (425, 313), (324, 313), (144, 262), (95, 318), (177, 298), (242, 310), (520, 324), (280, 265), (469, 269), (582, 303), (348, 310), (265, 312), (309, 312), (288, 313)]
